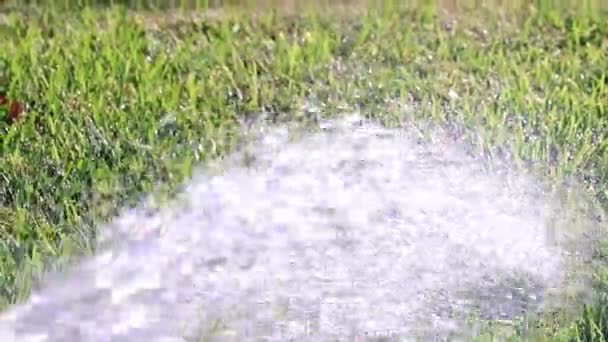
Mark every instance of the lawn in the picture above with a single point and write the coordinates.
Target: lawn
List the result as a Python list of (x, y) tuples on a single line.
[(103, 104)]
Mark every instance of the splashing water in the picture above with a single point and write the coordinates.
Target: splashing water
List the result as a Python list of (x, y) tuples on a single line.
[(353, 231)]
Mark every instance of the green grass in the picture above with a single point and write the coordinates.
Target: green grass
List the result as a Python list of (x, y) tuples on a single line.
[(124, 102)]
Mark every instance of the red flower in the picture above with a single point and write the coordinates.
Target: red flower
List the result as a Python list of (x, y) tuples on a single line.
[(15, 109)]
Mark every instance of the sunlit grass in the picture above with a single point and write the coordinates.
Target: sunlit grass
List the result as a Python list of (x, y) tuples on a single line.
[(121, 101)]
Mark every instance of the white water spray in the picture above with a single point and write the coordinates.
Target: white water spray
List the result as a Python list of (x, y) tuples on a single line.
[(354, 232)]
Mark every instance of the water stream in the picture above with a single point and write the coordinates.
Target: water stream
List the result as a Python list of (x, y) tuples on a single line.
[(350, 233)]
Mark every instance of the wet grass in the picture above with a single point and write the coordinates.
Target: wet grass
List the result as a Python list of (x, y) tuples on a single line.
[(122, 102)]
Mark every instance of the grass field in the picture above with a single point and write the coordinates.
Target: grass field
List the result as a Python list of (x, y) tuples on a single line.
[(120, 101)]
